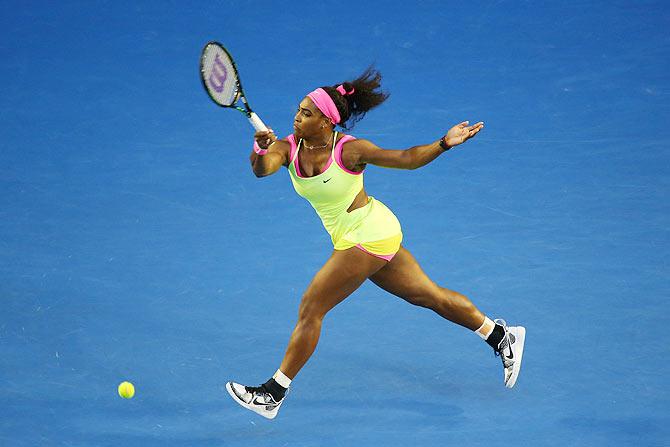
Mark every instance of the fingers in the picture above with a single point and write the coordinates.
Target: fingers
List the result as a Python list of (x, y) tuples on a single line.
[(261, 134), (474, 129), (265, 138), (462, 132), (466, 123), (468, 130), (477, 127)]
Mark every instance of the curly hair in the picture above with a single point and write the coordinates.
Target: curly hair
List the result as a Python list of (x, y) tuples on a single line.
[(366, 96)]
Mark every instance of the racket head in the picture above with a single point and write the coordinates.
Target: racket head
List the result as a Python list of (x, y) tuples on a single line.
[(219, 75)]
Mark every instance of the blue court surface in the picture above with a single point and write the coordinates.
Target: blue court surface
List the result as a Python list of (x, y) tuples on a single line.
[(136, 243)]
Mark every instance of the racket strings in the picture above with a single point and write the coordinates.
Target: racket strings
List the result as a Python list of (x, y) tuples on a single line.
[(219, 76)]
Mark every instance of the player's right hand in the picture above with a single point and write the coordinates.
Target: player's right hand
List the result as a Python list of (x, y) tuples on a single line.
[(265, 138)]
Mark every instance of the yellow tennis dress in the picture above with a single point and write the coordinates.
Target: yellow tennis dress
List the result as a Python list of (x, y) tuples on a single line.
[(372, 228)]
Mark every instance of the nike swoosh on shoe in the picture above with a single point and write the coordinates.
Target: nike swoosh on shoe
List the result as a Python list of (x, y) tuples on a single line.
[(269, 405)]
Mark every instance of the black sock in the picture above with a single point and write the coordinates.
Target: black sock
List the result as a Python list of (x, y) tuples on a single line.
[(496, 336), (278, 392)]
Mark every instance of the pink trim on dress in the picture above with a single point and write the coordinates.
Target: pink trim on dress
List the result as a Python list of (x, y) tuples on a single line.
[(291, 140), (296, 162), (384, 257), (338, 154)]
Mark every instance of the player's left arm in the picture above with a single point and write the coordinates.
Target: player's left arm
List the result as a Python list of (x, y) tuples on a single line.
[(362, 152)]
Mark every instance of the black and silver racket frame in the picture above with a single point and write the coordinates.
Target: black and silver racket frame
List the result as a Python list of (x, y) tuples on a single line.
[(251, 115)]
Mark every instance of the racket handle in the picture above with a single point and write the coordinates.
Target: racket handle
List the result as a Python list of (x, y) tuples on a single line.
[(257, 123)]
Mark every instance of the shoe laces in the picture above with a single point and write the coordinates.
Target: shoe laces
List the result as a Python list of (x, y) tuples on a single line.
[(258, 391), (264, 392)]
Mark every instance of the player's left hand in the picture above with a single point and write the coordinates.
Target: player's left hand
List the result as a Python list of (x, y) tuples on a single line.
[(462, 132)]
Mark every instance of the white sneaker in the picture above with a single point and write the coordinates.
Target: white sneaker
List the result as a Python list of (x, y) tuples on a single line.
[(256, 399), (510, 350)]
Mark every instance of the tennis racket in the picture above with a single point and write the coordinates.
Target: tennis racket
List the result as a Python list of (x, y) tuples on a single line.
[(222, 82)]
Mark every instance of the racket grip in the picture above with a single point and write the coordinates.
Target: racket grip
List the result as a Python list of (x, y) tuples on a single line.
[(257, 123)]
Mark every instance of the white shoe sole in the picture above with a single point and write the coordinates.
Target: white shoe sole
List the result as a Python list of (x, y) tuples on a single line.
[(264, 413), (520, 336)]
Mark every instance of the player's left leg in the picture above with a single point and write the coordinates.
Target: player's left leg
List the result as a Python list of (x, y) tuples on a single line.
[(405, 278)]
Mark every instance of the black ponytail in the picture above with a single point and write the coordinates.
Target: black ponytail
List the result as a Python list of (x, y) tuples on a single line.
[(366, 96)]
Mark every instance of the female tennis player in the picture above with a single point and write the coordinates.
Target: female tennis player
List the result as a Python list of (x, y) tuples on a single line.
[(326, 168)]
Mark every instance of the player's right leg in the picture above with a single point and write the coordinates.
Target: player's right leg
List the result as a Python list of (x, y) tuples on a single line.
[(342, 274)]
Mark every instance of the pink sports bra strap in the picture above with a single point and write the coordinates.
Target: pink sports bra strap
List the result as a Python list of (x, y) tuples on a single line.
[(294, 147), (338, 154)]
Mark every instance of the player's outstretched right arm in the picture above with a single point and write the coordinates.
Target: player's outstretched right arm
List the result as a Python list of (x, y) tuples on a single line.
[(276, 156)]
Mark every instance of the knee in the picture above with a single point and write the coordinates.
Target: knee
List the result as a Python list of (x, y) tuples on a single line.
[(309, 311)]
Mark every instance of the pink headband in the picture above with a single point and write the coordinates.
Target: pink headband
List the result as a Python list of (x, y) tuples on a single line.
[(323, 102)]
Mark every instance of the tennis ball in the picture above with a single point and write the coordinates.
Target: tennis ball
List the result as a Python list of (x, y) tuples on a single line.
[(126, 390)]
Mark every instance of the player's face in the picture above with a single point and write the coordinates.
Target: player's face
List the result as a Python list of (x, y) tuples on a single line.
[(308, 120)]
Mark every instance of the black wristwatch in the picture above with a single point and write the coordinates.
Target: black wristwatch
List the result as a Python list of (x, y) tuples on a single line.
[(444, 145)]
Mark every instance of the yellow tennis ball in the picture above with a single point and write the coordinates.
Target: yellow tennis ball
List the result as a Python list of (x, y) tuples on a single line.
[(126, 390)]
